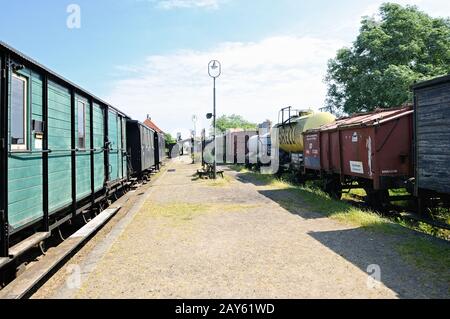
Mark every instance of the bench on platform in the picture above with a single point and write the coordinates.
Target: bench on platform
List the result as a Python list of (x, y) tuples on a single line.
[(208, 172)]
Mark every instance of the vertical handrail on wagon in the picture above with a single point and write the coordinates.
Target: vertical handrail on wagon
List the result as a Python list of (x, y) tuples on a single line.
[(4, 223)]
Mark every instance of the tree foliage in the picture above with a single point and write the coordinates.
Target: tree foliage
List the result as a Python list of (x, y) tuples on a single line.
[(226, 122), (169, 139), (392, 51)]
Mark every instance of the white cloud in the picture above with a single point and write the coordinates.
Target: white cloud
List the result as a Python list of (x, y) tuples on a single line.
[(173, 4), (257, 79)]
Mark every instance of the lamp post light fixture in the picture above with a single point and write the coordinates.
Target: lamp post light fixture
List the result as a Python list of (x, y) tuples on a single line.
[(214, 71)]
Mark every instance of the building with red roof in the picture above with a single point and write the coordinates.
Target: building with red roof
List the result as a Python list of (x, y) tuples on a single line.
[(149, 123)]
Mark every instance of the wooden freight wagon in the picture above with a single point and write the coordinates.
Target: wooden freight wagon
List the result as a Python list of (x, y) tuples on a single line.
[(61, 152), (372, 149), (432, 137), (159, 142), (141, 148), (235, 144)]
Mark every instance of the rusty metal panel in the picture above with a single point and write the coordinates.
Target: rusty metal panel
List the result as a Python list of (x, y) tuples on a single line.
[(334, 152), (355, 147), (369, 146), (312, 151), (393, 147), (325, 150)]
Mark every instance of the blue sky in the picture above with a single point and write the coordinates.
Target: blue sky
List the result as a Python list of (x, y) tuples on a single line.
[(150, 56)]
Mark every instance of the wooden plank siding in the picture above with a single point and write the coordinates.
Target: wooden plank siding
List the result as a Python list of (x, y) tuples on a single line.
[(43, 184), (59, 140), (25, 170), (124, 148), (433, 137), (114, 146), (83, 161), (99, 167)]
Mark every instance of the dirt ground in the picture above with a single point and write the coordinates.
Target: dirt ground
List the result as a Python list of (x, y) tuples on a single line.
[(190, 238)]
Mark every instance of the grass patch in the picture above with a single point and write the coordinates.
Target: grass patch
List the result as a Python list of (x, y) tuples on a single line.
[(220, 182), (239, 168), (427, 254), (267, 180), (179, 214), (315, 198), (319, 201)]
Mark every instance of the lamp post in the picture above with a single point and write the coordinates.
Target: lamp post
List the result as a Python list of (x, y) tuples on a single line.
[(194, 133), (214, 71)]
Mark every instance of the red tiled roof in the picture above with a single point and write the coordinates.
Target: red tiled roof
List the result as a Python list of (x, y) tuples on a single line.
[(152, 125)]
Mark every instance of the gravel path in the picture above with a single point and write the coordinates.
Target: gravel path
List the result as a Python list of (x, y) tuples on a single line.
[(230, 239)]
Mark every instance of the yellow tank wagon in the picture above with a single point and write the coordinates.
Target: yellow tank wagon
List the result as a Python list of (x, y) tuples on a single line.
[(291, 131)]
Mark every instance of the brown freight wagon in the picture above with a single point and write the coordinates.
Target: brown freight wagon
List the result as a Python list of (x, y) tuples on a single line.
[(373, 149), (232, 147)]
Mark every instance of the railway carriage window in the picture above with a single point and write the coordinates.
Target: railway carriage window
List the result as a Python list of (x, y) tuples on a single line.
[(19, 112), (81, 107)]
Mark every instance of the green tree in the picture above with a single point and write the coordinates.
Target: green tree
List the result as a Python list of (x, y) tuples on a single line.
[(169, 139), (226, 122), (391, 52)]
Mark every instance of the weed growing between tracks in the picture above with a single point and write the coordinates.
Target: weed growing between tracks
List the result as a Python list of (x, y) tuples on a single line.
[(427, 253)]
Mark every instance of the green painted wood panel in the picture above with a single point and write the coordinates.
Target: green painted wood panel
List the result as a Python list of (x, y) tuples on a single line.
[(119, 142), (59, 140), (124, 149), (99, 167), (83, 158), (114, 146), (25, 170)]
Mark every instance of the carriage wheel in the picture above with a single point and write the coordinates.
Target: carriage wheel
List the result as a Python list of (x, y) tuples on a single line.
[(333, 188), (378, 199)]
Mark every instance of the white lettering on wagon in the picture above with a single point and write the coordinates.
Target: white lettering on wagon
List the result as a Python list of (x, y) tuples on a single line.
[(356, 167)]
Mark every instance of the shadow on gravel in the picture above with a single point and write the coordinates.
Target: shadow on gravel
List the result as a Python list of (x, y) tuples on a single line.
[(373, 252), (247, 179), (418, 273), (290, 201)]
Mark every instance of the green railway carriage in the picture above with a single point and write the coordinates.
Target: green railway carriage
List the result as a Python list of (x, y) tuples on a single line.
[(62, 151)]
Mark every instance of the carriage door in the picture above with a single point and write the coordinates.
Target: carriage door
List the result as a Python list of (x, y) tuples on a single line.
[(113, 146), (123, 154)]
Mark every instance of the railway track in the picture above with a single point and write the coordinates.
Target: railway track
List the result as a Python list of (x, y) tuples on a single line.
[(36, 268), (26, 283)]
